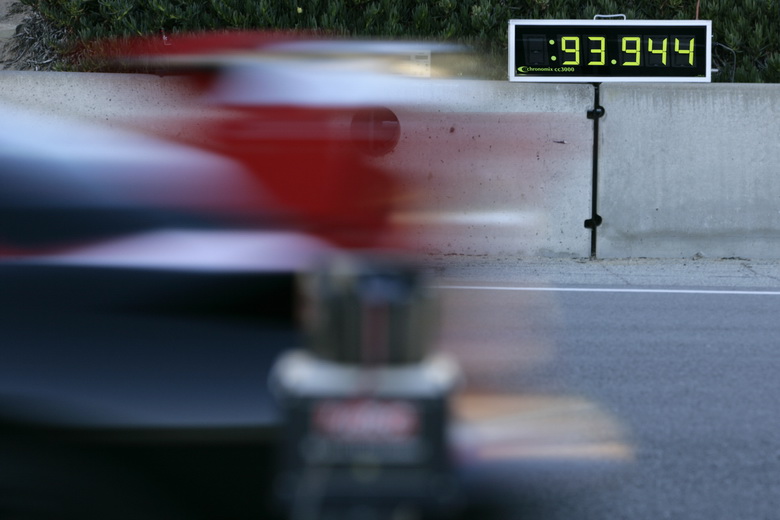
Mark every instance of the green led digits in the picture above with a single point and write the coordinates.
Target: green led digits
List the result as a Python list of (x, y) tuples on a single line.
[(632, 45), (655, 49), (600, 50), (571, 45), (579, 51), (688, 51), (597, 48)]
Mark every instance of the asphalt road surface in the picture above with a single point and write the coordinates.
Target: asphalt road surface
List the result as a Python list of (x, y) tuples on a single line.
[(686, 353)]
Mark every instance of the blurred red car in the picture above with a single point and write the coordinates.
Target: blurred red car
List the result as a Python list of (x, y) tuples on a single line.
[(149, 282), (151, 343)]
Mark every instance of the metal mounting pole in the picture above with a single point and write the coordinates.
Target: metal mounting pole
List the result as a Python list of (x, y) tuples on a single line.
[(595, 219)]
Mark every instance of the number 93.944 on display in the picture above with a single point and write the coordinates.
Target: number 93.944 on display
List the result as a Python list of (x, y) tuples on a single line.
[(606, 50)]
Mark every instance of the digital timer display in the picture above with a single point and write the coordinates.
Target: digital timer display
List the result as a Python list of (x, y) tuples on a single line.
[(606, 50)]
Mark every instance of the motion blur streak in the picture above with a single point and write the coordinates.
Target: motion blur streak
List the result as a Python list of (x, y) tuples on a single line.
[(301, 114), (153, 281)]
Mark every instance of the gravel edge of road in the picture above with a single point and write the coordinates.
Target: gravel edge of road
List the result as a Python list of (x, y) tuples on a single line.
[(12, 14)]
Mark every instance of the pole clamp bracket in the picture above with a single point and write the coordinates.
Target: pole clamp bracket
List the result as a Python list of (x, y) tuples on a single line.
[(596, 113)]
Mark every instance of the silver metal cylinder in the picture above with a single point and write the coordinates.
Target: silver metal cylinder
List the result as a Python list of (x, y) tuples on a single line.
[(369, 309)]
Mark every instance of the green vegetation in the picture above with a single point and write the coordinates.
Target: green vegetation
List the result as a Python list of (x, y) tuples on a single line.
[(748, 47)]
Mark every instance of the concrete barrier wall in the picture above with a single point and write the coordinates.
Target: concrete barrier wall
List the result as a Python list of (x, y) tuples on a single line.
[(687, 169), (133, 101), (107, 98), (500, 168), (494, 168)]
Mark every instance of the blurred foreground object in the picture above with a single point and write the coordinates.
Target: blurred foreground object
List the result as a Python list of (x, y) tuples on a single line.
[(305, 115), (378, 425), (151, 350), (366, 405)]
